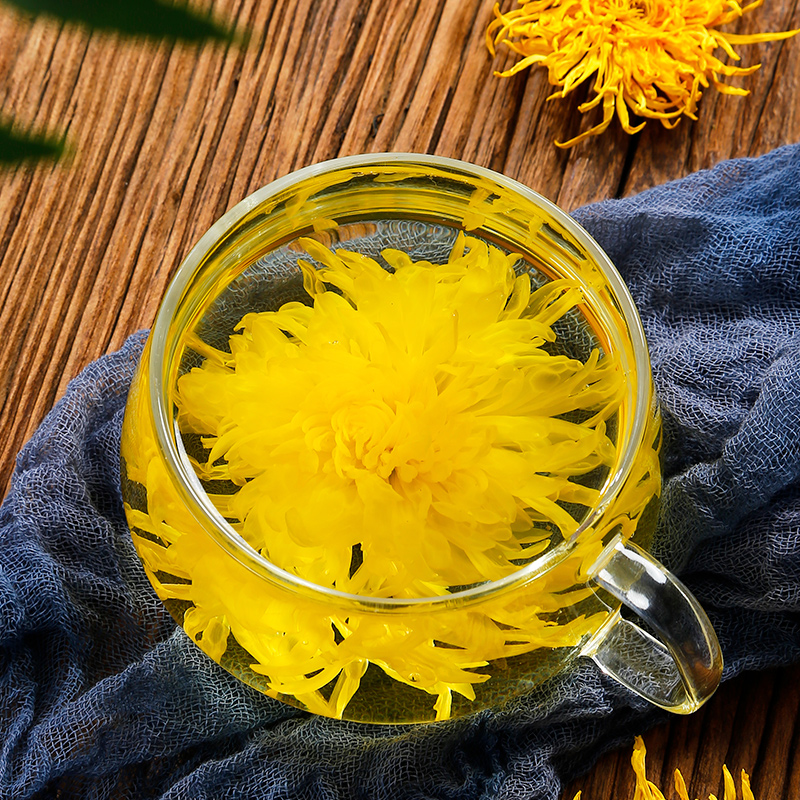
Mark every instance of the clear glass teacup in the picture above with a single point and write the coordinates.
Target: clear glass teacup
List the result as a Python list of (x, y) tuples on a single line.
[(392, 450)]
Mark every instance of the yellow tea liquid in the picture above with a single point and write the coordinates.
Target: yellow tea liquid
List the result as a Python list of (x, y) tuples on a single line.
[(394, 436)]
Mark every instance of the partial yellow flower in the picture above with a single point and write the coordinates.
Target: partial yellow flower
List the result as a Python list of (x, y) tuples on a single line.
[(650, 57), (647, 790)]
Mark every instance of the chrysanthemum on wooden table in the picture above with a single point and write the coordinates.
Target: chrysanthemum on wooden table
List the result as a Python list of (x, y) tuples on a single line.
[(649, 58), (647, 790)]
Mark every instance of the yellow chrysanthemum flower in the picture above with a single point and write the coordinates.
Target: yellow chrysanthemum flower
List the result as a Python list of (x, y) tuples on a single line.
[(650, 57), (411, 429), (414, 420), (647, 790)]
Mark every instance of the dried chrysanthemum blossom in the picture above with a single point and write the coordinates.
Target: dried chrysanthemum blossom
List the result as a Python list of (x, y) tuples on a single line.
[(647, 790), (650, 57)]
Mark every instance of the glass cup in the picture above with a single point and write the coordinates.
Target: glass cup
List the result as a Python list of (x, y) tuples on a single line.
[(390, 532)]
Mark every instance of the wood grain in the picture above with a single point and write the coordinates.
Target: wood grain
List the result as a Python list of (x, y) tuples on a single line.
[(750, 724), (166, 137)]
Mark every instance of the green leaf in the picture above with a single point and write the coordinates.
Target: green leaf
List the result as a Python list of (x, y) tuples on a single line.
[(149, 18), (22, 146)]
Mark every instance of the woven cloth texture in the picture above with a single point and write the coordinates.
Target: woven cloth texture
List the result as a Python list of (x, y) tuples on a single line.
[(101, 696)]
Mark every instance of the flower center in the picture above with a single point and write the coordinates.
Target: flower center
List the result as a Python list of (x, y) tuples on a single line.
[(365, 438)]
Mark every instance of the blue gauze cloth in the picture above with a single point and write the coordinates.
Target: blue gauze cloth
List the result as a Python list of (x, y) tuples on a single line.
[(101, 696)]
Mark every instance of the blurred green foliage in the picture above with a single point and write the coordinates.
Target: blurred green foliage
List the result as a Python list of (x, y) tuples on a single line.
[(23, 146), (151, 19)]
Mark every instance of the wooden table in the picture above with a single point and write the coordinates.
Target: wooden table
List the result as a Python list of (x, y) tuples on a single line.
[(166, 137)]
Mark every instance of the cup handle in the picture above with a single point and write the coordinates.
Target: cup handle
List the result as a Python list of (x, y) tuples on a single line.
[(678, 673)]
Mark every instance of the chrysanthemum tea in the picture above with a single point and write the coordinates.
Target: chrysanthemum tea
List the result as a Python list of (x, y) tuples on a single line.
[(397, 434)]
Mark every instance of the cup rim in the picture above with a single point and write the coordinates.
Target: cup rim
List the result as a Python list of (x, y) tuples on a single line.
[(200, 505)]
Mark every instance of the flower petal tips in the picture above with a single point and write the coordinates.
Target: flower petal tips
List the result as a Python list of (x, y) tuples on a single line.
[(651, 58), (647, 790)]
